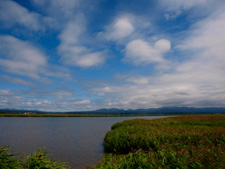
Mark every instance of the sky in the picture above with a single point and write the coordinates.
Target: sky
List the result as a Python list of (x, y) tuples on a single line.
[(78, 55)]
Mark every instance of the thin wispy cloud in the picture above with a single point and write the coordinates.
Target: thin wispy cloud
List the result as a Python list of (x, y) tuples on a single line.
[(11, 14), (72, 51), (20, 57)]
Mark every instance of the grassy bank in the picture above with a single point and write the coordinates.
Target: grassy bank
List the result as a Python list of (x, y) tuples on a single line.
[(175, 142), (37, 160)]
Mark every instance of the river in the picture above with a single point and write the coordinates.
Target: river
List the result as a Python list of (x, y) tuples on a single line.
[(78, 141)]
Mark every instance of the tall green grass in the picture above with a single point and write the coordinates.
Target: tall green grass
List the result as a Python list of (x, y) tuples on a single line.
[(37, 160), (176, 142)]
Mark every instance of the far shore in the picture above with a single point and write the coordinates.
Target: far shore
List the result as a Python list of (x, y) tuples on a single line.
[(80, 115)]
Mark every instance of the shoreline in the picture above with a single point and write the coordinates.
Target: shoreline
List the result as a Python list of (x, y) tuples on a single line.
[(174, 142), (80, 115)]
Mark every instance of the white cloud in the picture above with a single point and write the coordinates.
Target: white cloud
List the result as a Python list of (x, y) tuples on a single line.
[(56, 93), (174, 8), (72, 32), (82, 102), (57, 8), (162, 45), (198, 81), (8, 99), (21, 57), (120, 29), (107, 89), (15, 80), (44, 100), (207, 35), (12, 13), (126, 27), (90, 59), (59, 99), (141, 52), (176, 89), (207, 40), (139, 80), (71, 48), (173, 5), (172, 15)]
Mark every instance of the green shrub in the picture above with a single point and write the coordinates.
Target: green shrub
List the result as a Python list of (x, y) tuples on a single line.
[(40, 160), (7, 159), (37, 160)]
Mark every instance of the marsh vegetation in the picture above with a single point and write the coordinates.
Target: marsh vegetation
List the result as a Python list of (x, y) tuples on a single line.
[(175, 142), (196, 141), (37, 160)]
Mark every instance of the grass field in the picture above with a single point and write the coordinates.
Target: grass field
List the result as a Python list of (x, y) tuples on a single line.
[(175, 142)]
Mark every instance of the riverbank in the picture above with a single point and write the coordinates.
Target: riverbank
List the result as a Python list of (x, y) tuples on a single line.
[(174, 142), (78, 141), (37, 159)]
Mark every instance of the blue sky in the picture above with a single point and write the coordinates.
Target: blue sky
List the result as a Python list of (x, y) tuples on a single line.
[(72, 55)]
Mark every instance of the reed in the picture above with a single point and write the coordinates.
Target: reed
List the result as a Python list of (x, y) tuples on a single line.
[(175, 142), (37, 160)]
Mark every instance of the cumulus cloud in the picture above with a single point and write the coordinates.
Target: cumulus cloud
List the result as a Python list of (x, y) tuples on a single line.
[(53, 100), (90, 59), (11, 13), (198, 81), (7, 96), (141, 52), (121, 28), (71, 49), (22, 58), (195, 80)]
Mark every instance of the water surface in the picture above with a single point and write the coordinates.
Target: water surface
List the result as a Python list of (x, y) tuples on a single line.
[(78, 141)]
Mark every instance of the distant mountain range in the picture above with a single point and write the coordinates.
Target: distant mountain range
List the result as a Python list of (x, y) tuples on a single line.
[(163, 110), (153, 111)]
